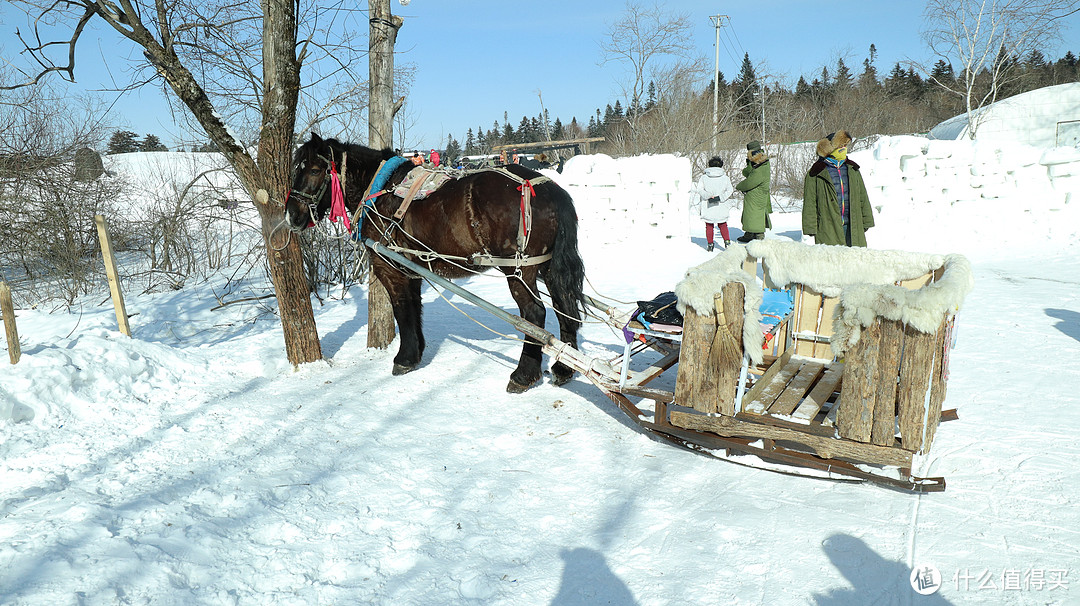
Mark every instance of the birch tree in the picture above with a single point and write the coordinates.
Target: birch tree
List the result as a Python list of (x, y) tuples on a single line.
[(981, 36)]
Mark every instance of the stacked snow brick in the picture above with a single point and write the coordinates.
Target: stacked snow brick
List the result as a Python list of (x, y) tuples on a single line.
[(648, 190), (1005, 190)]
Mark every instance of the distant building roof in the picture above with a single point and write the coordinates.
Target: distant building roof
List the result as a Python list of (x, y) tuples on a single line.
[(1046, 117)]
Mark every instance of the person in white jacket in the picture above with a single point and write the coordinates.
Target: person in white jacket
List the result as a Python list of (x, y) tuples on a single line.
[(714, 204)]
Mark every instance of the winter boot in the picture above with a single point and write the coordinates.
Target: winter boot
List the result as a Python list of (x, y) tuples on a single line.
[(759, 236), (727, 244), (710, 247), (746, 237)]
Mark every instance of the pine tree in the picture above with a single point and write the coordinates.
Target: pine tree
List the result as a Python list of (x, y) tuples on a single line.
[(943, 72), (151, 143), (470, 142), (802, 89), (869, 78), (557, 130), (843, 79), (123, 142), (452, 151)]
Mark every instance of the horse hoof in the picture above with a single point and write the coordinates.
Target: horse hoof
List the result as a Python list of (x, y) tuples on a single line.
[(559, 380), (400, 369), (515, 387)]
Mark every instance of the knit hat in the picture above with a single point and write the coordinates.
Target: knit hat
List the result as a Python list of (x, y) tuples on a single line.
[(833, 142), (753, 147)]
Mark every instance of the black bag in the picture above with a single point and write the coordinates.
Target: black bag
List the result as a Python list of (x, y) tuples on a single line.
[(661, 309), (713, 201)]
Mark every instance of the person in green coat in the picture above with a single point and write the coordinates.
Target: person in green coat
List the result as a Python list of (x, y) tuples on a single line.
[(836, 209), (757, 205)]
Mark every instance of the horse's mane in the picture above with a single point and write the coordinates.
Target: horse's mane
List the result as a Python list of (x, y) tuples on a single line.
[(357, 153)]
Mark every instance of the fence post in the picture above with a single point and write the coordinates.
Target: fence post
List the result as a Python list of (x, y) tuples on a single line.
[(8, 309), (114, 277)]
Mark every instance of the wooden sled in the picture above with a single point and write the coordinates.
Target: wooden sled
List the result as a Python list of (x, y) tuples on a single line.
[(858, 381), (851, 388)]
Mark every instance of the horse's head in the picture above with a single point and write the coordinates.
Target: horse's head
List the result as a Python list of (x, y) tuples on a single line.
[(309, 199)]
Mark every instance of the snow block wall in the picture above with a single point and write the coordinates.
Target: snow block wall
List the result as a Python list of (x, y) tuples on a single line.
[(1013, 193), (619, 198)]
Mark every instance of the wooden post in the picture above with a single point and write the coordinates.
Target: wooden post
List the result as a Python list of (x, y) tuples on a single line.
[(708, 375), (883, 432), (114, 277), (915, 370), (854, 417), (12, 333), (383, 28)]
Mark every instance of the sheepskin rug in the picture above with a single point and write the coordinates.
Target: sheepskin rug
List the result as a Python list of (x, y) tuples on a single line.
[(862, 280)]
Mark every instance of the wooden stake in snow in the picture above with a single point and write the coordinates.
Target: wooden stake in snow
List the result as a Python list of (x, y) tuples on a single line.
[(8, 310), (114, 277)]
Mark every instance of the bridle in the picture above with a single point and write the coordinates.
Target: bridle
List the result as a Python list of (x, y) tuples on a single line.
[(312, 200)]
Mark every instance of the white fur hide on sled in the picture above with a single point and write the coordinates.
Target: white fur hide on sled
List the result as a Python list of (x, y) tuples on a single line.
[(862, 280)]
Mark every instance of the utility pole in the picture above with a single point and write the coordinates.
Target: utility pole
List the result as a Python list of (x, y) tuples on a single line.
[(383, 29), (718, 22)]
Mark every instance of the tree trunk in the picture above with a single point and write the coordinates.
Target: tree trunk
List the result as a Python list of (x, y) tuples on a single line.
[(382, 35), (281, 87)]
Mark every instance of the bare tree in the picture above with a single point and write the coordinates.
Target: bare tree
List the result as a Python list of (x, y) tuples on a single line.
[(985, 37), (642, 37), (237, 70)]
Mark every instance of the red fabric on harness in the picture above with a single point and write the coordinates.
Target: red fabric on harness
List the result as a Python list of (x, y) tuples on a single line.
[(337, 200)]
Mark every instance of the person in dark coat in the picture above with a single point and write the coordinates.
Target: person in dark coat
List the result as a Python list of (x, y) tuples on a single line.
[(836, 209), (757, 203)]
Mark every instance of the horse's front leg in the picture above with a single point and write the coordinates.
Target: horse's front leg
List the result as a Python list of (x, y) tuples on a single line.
[(532, 310)]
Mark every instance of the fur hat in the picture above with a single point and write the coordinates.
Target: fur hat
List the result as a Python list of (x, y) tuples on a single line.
[(754, 153), (833, 142)]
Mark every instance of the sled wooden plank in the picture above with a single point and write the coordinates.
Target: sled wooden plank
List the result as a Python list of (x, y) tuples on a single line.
[(854, 417), (917, 283), (773, 369), (774, 387), (797, 389), (828, 448), (749, 265), (655, 370), (915, 369), (883, 430), (821, 393), (822, 347), (807, 308)]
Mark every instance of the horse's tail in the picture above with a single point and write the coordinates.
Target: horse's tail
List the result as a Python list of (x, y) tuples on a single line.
[(565, 274)]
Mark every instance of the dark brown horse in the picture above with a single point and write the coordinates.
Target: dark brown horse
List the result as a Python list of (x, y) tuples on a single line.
[(480, 213)]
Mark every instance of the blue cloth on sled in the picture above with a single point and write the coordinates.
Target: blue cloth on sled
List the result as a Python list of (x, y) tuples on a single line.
[(379, 182), (776, 305)]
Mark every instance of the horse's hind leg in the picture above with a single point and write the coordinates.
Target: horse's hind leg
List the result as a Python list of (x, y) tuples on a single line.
[(404, 295), (532, 310)]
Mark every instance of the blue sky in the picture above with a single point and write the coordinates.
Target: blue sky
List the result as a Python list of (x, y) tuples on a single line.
[(475, 59)]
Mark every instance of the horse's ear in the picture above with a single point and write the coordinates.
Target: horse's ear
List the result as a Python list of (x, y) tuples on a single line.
[(315, 138)]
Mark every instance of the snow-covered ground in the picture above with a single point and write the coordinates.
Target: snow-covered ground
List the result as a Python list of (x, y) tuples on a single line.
[(191, 464)]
